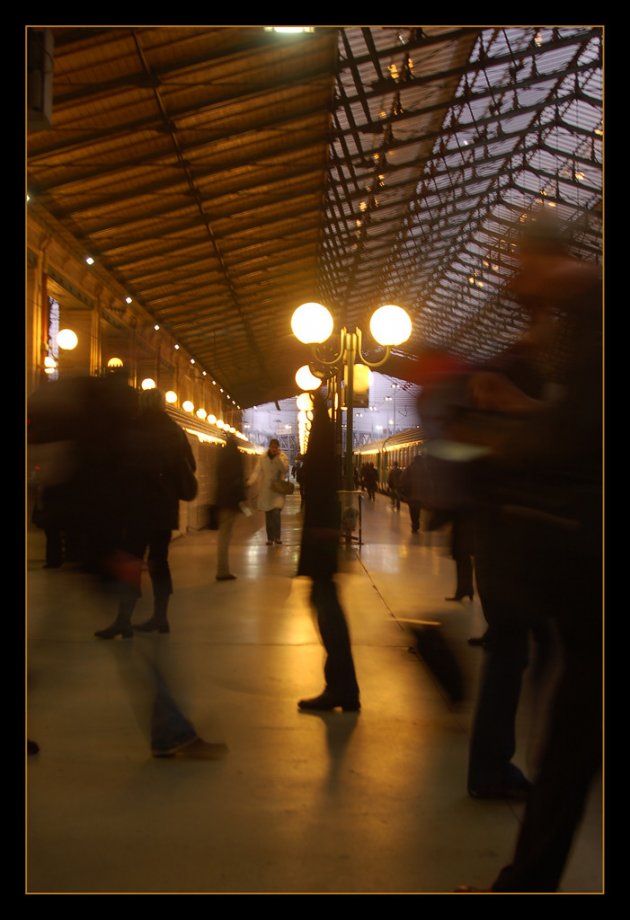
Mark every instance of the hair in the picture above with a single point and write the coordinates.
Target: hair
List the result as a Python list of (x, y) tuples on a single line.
[(152, 401), (274, 441)]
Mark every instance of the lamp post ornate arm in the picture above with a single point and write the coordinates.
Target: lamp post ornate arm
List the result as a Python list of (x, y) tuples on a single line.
[(313, 324)]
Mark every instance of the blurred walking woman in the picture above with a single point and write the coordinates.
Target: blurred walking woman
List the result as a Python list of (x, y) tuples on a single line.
[(272, 466), (152, 452), (318, 560)]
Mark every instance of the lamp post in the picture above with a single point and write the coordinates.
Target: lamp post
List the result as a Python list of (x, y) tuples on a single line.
[(312, 323)]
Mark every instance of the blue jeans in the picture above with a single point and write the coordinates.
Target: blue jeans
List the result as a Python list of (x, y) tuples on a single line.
[(272, 523), (169, 726)]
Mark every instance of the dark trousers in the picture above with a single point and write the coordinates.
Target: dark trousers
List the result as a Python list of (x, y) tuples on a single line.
[(572, 752), (273, 524), (136, 543), (512, 604), (414, 514), (339, 671)]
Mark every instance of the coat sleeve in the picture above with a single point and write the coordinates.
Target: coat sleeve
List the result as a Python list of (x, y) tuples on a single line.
[(253, 479), (284, 460)]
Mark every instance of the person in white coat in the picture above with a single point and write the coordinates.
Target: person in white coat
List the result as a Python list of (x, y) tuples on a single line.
[(271, 467)]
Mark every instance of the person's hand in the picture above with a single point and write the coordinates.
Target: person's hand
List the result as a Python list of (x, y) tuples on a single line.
[(496, 393)]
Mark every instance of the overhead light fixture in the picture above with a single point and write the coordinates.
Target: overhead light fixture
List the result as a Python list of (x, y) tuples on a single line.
[(203, 373), (89, 260), (128, 299), (289, 30), (67, 339), (580, 176), (220, 389), (148, 384), (312, 323), (156, 327), (187, 406), (115, 362), (201, 413), (192, 360), (176, 347), (171, 396), (538, 39), (212, 419), (214, 383)]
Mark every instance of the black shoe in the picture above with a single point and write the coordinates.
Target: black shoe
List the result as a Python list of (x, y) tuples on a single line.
[(269, 542), (196, 750), (459, 597), (478, 641), (125, 632), (278, 542), (226, 577), (152, 625), (514, 786), (325, 702), (519, 793)]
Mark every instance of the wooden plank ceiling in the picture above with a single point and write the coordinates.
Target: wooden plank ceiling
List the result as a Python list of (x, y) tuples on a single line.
[(225, 175)]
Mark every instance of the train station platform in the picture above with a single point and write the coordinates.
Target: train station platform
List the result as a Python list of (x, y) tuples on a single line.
[(374, 802)]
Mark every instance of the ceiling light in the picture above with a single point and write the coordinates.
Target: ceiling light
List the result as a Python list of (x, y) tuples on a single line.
[(171, 396), (128, 299), (289, 30), (192, 360), (89, 260), (156, 327), (176, 347)]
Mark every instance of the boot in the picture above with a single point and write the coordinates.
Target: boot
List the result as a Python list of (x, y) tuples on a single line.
[(158, 622), (122, 624)]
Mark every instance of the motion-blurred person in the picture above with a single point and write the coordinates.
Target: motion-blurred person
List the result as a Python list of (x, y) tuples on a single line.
[(318, 560), (371, 481), (154, 452), (393, 482), (230, 493), (556, 462), (462, 552), (270, 467), (413, 487)]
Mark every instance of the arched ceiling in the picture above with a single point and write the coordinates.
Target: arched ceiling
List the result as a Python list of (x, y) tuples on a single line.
[(225, 175)]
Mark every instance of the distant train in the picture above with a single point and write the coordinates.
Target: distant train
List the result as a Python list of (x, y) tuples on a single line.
[(400, 448)]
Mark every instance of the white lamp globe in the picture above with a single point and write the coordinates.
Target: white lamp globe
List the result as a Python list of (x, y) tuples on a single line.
[(201, 413), (305, 380), (390, 325), (312, 323), (304, 402), (212, 419), (148, 384), (187, 406), (67, 339), (171, 396)]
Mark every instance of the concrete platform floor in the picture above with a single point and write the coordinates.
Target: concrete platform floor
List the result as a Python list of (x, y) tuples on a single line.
[(373, 803)]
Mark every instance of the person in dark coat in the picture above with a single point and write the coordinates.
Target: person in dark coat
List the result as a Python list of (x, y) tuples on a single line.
[(413, 488), (559, 516), (371, 481), (153, 447), (393, 481), (318, 560), (230, 493)]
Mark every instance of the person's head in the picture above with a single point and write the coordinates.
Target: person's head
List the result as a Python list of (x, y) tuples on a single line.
[(274, 447), (152, 401)]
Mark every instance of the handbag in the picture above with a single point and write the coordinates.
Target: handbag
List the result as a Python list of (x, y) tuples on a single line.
[(283, 486)]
